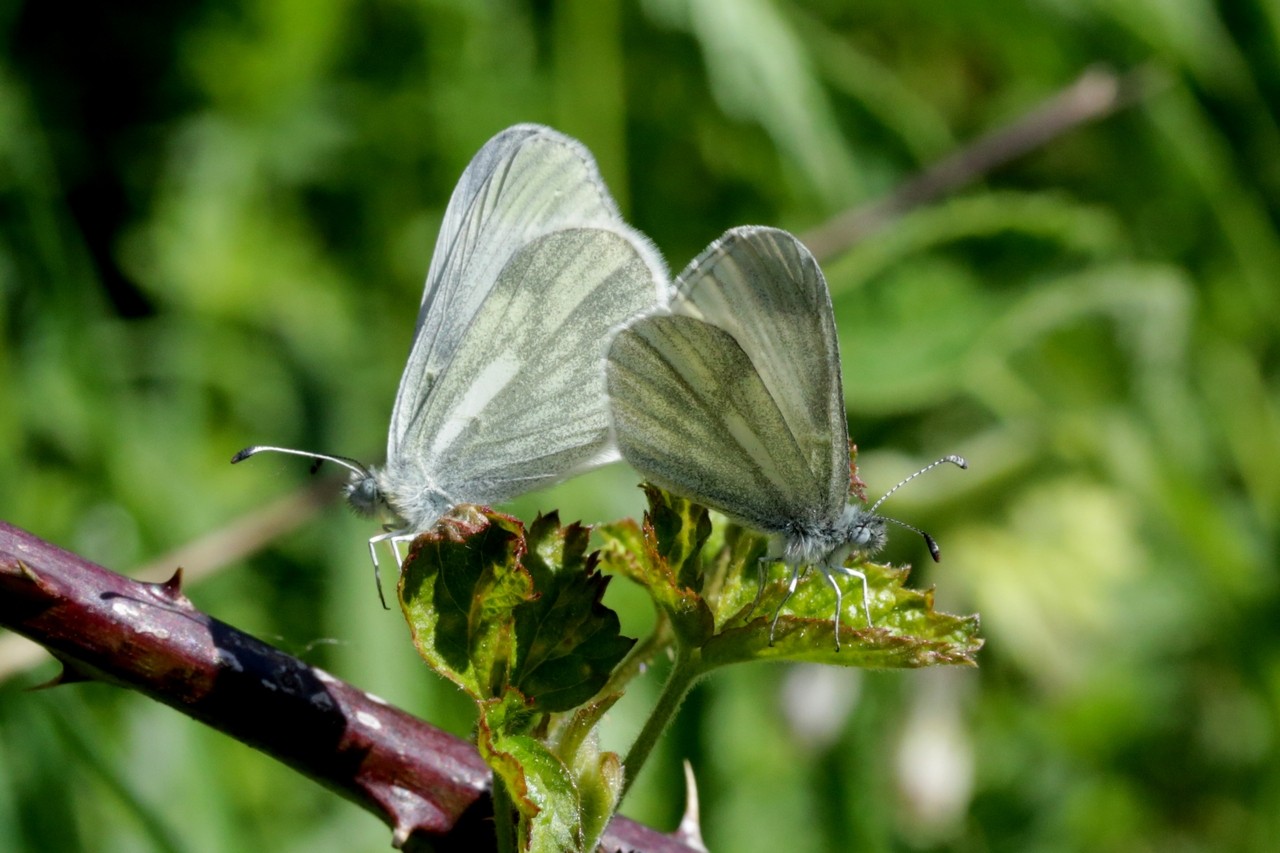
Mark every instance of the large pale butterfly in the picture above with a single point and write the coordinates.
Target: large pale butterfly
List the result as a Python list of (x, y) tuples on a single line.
[(732, 398), (504, 390)]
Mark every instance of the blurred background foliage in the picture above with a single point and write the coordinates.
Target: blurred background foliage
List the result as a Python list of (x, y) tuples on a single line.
[(215, 219)]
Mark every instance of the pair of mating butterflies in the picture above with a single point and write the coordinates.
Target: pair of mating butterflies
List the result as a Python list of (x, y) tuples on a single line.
[(549, 339)]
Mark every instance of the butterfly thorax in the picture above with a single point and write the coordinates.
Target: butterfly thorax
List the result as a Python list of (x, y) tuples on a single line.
[(808, 543), (411, 497)]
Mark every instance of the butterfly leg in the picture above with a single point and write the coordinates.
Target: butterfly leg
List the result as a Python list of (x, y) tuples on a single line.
[(760, 564), (791, 588), (835, 622), (396, 540), (866, 590), (392, 538), (377, 575)]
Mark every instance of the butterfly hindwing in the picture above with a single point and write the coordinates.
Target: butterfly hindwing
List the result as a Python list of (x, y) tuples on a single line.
[(786, 444), (693, 417)]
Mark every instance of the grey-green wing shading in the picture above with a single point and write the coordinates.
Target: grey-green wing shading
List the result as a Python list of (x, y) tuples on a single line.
[(765, 289), (692, 415), (522, 403), (526, 182)]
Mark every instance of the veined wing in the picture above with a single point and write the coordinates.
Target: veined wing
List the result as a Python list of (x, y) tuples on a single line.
[(523, 402), (692, 415), (527, 181), (763, 287)]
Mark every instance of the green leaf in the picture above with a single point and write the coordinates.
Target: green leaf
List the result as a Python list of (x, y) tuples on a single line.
[(906, 631), (492, 608), (678, 528), (598, 775), (665, 557), (734, 575), (623, 552), (539, 785), (726, 613), (567, 641), (459, 587), (600, 780)]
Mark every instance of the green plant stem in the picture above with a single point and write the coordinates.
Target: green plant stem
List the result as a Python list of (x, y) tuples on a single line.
[(684, 674), (504, 819)]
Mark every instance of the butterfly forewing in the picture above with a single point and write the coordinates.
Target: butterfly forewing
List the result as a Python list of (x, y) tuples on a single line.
[(525, 182), (523, 403), (763, 287)]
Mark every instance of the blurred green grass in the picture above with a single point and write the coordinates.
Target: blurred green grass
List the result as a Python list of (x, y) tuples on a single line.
[(215, 220)]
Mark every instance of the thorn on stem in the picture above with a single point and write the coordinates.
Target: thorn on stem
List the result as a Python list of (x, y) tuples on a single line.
[(69, 674)]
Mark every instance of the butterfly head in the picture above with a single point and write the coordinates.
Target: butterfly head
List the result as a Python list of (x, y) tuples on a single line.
[(866, 529), (363, 493), (863, 531), (363, 489)]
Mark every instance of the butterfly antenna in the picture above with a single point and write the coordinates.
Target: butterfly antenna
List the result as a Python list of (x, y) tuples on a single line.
[(953, 459), (350, 464), (928, 540)]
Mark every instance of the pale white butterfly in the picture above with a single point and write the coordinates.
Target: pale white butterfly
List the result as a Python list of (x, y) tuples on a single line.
[(733, 398), (504, 389)]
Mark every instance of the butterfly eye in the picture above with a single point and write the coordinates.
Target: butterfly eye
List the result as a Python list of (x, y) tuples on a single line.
[(364, 495)]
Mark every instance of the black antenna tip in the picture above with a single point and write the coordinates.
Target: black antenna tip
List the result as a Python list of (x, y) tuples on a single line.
[(244, 454), (934, 551)]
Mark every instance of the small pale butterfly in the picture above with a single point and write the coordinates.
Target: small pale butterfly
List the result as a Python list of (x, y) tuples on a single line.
[(504, 389), (732, 398)]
